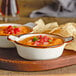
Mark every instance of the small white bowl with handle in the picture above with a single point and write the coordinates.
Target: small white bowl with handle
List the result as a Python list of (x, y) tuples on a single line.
[(36, 52)]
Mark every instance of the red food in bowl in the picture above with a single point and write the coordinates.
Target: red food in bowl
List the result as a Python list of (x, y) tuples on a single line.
[(14, 30), (41, 41)]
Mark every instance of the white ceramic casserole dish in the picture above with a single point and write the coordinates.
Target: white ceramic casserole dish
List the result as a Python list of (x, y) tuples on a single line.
[(4, 43), (36, 52)]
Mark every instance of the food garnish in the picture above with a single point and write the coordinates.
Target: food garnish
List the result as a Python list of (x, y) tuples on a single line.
[(41, 40), (35, 39), (50, 40), (12, 30)]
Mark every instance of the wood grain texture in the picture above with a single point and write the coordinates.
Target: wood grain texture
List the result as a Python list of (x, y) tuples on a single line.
[(16, 63), (18, 74)]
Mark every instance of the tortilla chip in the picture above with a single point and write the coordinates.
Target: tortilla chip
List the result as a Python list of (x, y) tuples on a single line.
[(42, 28), (71, 45), (55, 30), (39, 26), (70, 28), (68, 24), (40, 22), (67, 30), (52, 25)]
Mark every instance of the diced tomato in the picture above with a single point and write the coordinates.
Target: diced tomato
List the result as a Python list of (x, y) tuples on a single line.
[(11, 30), (40, 36), (36, 43), (9, 26), (16, 30), (45, 38), (41, 41)]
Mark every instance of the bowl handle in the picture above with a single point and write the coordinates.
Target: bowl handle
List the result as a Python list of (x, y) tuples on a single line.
[(13, 38), (68, 39), (30, 24)]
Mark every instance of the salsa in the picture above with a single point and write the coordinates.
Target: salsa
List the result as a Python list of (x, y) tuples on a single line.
[(13, 30), (41, 41)]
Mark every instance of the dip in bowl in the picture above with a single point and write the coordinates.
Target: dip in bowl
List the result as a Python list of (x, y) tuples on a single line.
[(11, 29), (40, 46)]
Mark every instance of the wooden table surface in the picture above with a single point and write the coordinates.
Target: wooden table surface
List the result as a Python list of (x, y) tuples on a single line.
[(66, 71)]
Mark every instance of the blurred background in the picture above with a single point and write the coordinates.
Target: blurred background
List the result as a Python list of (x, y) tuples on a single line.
[(27, 6)]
